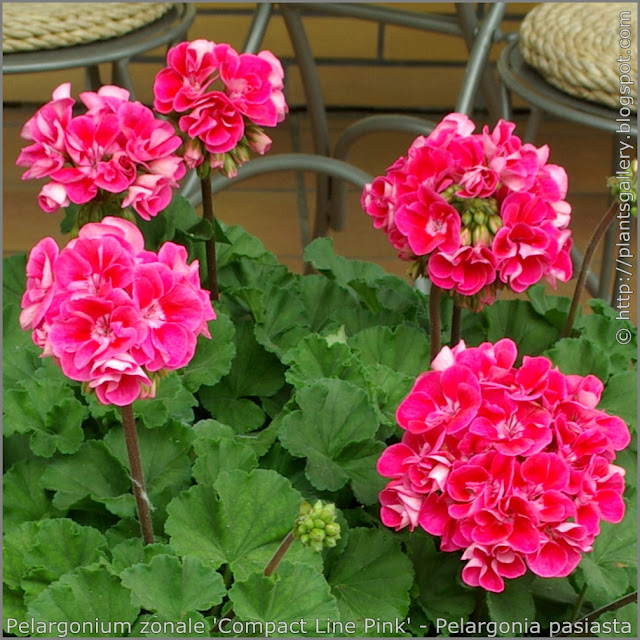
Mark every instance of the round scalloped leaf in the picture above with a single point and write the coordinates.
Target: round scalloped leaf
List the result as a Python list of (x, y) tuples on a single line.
[(296, 592), (174, 587), (371, 579), (82, 596)]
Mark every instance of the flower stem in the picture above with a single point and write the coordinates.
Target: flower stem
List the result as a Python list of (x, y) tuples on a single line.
[(579, 601), (207, 210), (612, 606), (434, 319), (279, 554), (142, 501), (586, 262), (456, 315)]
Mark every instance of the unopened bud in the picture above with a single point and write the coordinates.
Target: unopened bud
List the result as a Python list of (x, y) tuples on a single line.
[(481, 236), (465, 236), (316, 526), (479, 217), (494, 223), (466, 218)]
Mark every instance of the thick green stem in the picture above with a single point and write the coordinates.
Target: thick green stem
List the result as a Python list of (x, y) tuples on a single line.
[(586, 263), (434, 319), (207, 211), (612, 606), (279, 554), (137, 479), (456, 315), (579, 601)]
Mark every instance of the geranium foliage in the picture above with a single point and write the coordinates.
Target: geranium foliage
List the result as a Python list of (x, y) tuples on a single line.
[(292, 399)]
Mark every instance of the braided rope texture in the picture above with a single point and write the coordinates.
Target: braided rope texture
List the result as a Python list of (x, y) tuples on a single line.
[(51, 25), (575, 47)]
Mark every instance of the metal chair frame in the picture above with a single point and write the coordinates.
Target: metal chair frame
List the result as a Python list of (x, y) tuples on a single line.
[(520, 78), (169, 28)]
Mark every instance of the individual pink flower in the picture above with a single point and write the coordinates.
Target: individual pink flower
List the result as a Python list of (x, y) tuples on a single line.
[(487, 567), (253, 84), (191, 68), (467, 270), (429, 222), (120, 381), (215, 121), (40, 279), (52, 196), (148, 195)]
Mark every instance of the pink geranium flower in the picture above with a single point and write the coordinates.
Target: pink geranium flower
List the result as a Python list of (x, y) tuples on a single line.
[(112, 313), (476, 212), (513, 465)]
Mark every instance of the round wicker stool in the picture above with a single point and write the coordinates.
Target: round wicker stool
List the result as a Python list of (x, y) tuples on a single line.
[(566, 61), (575, 47), (60, 35)]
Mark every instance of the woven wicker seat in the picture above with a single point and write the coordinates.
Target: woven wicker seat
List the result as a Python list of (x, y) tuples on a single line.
[(576, 47), (39, 26)]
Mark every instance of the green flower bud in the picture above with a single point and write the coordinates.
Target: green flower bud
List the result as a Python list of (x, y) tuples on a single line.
[(304, 539), (465, 236), (305, 508), (330, 542), (332, 530), (316, 546), (481, 235), (318, 523), (466, 218), (317, 535), (494, 223), (479, 217)]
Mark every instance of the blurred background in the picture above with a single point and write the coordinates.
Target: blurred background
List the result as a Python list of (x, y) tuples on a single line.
[(364, 67)]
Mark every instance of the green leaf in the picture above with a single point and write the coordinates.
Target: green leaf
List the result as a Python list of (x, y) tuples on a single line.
[(440, 592), (314, 358), (581, 357), (327, 303), (60, 546), (225, 454), (44, 405), (296, 595), (174, 586), (213, 357), (371, 579), (15, 545), (164, 455), (242, 414), (620, 397), (514, 604), (172, 401), (14, 279), (516, 319), (555, 309), (85, 595), (14, 610), (92, 472), (404, 349), (241, 527), (20, 357), (133, 551), (23, 497), (333, 414), (285, 321), (255, 371), (605, 569)]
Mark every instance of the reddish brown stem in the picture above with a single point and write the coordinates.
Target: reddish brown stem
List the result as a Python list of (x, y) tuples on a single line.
[(586, 263), (456, 315), (137, 479), (207, 212), (279, 554)]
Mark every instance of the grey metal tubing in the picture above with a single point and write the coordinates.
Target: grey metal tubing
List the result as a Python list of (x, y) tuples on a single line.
[(592, 282), (166, 28), (293, 162), (371, 124), (366, 11), (315, 106), (258, 27), (523, 81), (476, 71)]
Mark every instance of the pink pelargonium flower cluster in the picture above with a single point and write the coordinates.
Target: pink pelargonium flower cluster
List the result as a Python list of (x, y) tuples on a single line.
[(116, 147), (514, 465), (113, 315), (482, 210), (221, 125)]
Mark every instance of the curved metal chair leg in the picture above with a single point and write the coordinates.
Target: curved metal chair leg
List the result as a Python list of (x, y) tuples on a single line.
[(258, 27), (315, 105)]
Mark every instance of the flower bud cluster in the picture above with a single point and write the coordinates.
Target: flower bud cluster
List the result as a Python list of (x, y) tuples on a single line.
[(624, 188), (316, 525)]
